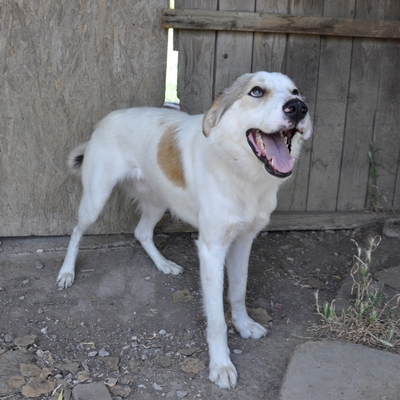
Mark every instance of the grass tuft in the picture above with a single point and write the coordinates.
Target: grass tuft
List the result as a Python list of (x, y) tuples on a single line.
[(368, 319)]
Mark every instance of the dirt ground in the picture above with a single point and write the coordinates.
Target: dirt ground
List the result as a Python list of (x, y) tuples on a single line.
[(142, 332)]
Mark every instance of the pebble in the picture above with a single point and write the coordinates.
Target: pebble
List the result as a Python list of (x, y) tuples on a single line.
[(181, 394), (162, 332), (8, 337), (147, 278), (103, 353), (39, 251), (237, 351), (156, 387), (39, 265), (92, 354), (22, 298)]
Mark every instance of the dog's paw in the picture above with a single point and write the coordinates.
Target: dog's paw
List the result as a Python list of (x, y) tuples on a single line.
[(225, 376), (250, 329), (65, 280), (169, 267)]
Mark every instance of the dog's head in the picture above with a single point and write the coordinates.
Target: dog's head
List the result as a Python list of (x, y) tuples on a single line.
[(261, 114)]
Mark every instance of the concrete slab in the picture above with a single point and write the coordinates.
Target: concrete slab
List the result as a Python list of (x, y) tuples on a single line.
[(390, 277), (337, 370)]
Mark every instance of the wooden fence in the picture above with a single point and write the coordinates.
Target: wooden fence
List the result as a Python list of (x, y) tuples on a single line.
[(344, 55), (64, 65)]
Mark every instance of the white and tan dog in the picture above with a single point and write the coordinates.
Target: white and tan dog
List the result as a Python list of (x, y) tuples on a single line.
[(219, 172)]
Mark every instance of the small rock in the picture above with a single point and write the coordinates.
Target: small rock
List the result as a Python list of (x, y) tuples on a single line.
[(39, 265), (156, 387), (164, 361), (39, 251), (237, 351), (182, 296), (91, 391), (40, 353), (92, 354), (37, 387), (25, 282), (181, 394), (189, 351), (111, 363), (22, 298), (162, 332), (72, 323), (192, 365), (71, 367), (147, 278), (8, 337), (260, 315), (123, 391), (16, 382), (83, 376), (103, 353), (29, 370), (316, 284)]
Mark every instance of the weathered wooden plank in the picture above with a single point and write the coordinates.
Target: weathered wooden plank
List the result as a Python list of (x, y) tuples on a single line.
[(363, 96), (387, 120), (233, 50), (278, 23), (196, 63), (330, 114), (269, 49), (64, 65), (294, 221), (302, 63)]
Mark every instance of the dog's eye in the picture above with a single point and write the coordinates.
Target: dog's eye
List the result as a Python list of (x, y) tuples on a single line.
[(295, 92), (256, 92)]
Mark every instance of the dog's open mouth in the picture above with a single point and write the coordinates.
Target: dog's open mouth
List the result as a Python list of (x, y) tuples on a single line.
[(273, 149)]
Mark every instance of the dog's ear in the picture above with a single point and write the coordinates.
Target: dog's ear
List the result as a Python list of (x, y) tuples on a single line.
[(224, 101)]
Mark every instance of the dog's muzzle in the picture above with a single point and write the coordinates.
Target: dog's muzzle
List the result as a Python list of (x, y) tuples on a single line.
[(274, 148)]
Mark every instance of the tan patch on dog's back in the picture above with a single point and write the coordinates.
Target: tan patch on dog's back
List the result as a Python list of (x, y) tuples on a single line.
[(169, 157)]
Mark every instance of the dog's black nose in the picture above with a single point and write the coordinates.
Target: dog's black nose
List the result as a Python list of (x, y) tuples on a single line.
[(295, 109)]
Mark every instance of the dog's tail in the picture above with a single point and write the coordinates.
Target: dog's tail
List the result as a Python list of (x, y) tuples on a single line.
[(75, 159)]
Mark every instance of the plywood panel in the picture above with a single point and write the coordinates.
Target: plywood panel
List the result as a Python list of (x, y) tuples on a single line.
[(196, 63), (330, 113), (302, 63), (387, 120), (362, 101), (63, 66)]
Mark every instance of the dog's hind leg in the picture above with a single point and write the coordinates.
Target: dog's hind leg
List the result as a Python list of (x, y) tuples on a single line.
[(95, 196), (237, 267), (151, 214)]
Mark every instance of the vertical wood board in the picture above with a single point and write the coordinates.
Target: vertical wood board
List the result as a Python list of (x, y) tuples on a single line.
[(302, 63), (330, 113), (362, 102), (387, 119), (196, 63)]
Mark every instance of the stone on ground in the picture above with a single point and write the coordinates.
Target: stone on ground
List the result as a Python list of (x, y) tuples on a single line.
[(337, 370)]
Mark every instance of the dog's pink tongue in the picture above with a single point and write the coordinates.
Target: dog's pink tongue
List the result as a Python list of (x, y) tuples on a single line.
[(277, 153)]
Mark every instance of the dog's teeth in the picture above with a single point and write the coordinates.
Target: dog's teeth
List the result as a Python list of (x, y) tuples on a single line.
[(259, 140), (271, 162)]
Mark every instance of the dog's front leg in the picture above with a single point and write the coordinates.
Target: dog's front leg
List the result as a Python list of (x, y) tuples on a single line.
[(237, 266), (212, 258)]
